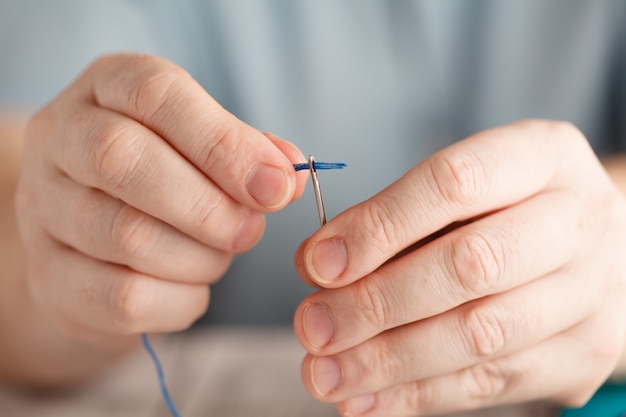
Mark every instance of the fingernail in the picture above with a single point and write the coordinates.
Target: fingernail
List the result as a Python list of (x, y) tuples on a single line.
[(269, 186), (249, 232), (359, 405), (325, 374), (318, 324), (327, 260)]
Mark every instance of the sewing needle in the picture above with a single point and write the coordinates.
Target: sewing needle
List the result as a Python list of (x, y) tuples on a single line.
[(317, 191)]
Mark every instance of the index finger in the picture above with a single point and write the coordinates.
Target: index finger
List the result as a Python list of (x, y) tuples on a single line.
[(484, 173), (164, 98)]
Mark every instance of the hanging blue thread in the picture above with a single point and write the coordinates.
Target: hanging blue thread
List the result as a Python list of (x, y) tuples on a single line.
[(319, 165), (159, 369)]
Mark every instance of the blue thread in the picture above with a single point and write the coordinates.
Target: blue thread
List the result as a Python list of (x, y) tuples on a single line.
[(320, 165), (159, 369)]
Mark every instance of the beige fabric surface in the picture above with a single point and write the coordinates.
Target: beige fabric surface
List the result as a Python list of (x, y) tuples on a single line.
[(217, 372)]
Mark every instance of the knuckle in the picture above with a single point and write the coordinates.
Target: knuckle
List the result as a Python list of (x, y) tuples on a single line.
[(485, 333), (115, 153), (485, 382), (225, 136), (204, 209), (475, 262), (156, 89), (459, 178), (203, 212), (417, 398), (128, 302), (376, 307), (377, 223), (132, 232), (388, 364)]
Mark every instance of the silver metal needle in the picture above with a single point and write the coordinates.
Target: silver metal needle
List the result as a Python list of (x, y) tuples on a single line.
[(317, 191)]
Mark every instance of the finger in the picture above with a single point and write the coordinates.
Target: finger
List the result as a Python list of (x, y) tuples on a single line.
[(158, 94), (489, 256), (564, 369), (108, 229), (476, 332), (295, 156), (489, 171), (128, 161), (301, 267), (84, 295)]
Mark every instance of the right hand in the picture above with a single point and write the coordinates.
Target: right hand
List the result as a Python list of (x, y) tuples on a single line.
[(136, 190)]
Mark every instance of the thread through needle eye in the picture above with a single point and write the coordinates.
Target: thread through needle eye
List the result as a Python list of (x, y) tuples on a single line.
[(317, 191)]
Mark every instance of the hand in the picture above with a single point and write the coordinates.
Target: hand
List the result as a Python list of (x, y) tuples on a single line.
[(491, 273), (136, 190)]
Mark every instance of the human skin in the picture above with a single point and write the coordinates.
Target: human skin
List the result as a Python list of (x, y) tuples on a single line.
[(491, 273), (67, 328), (135, 190)]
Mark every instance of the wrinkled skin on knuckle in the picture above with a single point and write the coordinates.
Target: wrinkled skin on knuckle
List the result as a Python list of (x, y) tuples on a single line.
[(387, 363), (156, 82), (226, 138), (485, 382), (475, 263), (204, 212), (484, 332), (375, 306), (114, 153), (459, 178), (376, 224), (132, 232)]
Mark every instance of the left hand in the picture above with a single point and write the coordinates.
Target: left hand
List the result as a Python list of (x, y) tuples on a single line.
[(493, 272)]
